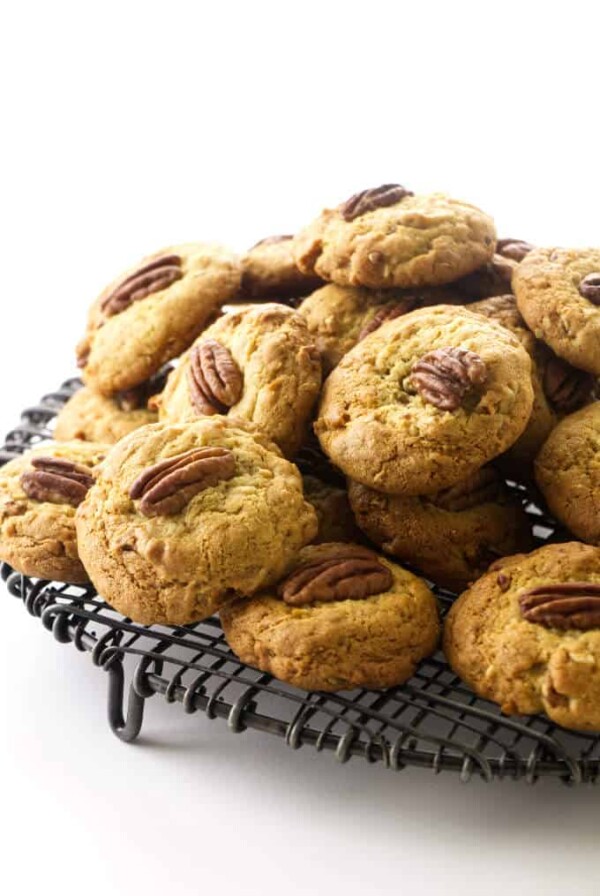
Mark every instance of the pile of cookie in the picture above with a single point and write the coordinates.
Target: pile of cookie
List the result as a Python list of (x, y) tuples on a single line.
[(277, 437)]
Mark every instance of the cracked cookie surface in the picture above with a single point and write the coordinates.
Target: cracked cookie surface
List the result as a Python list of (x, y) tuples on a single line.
[(153, 312), (418, 241), (525, 666), (236, 535), (383, 432), (280, 371), (37, 537), (375, 641)]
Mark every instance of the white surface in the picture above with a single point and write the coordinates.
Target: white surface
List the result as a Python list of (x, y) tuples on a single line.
[(128, 126)]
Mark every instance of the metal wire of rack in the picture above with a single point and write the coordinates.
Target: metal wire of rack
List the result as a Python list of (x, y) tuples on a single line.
[(432, 721)]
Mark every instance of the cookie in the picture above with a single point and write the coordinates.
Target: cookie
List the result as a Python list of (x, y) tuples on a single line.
[(425, 401), (567, 471), (269, 272), (527, 635), (387, 237), (338, 317), (343, 618), (93, 417), (39, 494), (184, 518), (558, 294), (336, 522), (257, 364), (451, 536), (153, 313), (558, 387)]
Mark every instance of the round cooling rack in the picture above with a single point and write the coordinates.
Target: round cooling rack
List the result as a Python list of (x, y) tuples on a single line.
[(432, 721)]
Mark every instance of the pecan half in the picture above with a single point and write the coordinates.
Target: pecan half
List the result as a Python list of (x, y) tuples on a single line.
[(215, 381), (353, 573), (589, 288), (388, 312), (482, 487), (564, 605), (152, 277), (566, 387), (369, 200), (515, 249), (444, 376), (167, 487), (57, 481)]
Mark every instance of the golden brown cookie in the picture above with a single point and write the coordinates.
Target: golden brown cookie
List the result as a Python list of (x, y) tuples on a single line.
[(527, 635), (567, 470), (338, 317), (451, 536), (39, 494), (425, 401), (336, 522), (257, 364), (153, 313), (558, 294), (387, 237), (184, 518), (269, 272), (344, 617)]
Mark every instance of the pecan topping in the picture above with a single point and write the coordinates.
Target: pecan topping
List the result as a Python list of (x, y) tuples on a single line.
[(515, 249), (564, 605), (168, 486), (57, 480), (154, 276), (589, 288), (369, 200), (388, 312), (269, 240), (566, 387), (215, 381), (353, 573), (480, 488), (444, 376)]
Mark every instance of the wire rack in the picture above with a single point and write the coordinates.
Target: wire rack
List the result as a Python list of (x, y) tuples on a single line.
[(432, 721)]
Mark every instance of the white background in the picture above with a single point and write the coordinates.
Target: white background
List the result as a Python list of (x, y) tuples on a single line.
[(125, 127)]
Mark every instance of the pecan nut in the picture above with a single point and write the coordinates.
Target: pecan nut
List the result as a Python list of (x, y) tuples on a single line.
[(369, 200), (271, 240), (351, 574), (482, 487), (388, 312), (444, 376), (566, 387), (564, 605), (57, 481), (168, 486), (514, 249), (152, 277), (215, 381), (589, 288)]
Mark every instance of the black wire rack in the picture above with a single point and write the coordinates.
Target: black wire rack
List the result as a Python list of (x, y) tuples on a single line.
[(432, 721)]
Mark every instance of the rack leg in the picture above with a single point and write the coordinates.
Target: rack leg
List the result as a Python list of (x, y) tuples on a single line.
[(126, 729)]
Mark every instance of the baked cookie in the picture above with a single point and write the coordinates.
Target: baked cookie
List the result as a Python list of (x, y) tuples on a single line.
[(93, 417), (184, 518), (567, 470), (387, 236), (270, 272), (527, 635), (336, 522), (451, 536), (558, 387), (343, 618), (39, 494), (558, 294), (153, 313), (340, 316), (259, 365), (425, 401)]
